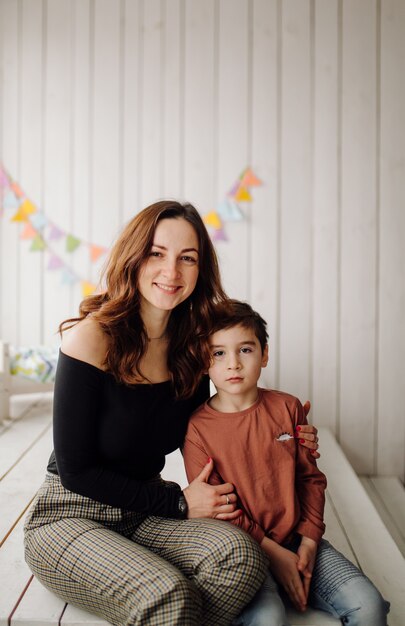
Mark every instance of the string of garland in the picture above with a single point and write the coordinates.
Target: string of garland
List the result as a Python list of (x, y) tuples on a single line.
[(44, 234)]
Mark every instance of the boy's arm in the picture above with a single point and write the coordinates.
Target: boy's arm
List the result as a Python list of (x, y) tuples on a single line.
[(310, 488), (195, 457)]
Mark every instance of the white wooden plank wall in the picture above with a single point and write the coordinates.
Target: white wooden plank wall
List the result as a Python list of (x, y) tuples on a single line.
[(109, 105)]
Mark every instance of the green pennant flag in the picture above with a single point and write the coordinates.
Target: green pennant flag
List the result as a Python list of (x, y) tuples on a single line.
[(38, 244), (72, 243)]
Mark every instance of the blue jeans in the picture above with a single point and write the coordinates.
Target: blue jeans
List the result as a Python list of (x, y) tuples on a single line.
[(337, 587)]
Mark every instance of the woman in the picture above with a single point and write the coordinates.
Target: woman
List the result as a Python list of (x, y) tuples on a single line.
[(106, 532)]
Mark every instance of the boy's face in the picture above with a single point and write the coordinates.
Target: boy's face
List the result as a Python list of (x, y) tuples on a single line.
[(236, 360)]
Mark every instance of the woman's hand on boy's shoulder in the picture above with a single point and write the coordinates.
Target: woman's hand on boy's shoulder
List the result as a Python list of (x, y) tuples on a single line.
[(86, 342), (308, 434)]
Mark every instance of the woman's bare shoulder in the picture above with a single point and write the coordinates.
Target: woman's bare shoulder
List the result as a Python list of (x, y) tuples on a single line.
[(87, 342)]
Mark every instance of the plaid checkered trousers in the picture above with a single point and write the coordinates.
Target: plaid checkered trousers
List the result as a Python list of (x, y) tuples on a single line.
[(132, 569)]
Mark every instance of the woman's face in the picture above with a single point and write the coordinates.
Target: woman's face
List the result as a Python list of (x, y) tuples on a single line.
[(169, 274)]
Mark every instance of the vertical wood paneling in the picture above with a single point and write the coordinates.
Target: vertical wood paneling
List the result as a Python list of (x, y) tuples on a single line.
[(82, 60), (199, 103), (130, 109), (326, 215), (358, 245), (173, 89), (105, 177), (391, 335), (264, 244), (31, 264), (10, 109), (296, 210), (151, 169), (233, 141), (56, 200)]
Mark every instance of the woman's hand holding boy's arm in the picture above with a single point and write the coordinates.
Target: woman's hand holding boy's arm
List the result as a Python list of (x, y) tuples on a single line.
[(308, 434), (284, 567), (213, 501)]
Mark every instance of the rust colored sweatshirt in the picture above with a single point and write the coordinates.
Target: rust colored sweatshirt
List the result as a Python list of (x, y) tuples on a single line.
[(280, 488)]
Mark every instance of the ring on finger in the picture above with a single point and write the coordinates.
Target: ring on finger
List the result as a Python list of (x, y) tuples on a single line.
[(227, 499)]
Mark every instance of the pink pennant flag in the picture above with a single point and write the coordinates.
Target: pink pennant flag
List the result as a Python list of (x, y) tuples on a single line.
[(55, 232), (219, 235), (54, 262), (4, 182), (234, 189), (28, 232), (96, 252)]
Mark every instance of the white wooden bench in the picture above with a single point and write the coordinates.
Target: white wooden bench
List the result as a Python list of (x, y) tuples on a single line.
[(353, 526)]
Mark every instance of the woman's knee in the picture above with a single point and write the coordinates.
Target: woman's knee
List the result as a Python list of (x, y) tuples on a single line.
[(235, 549), (177, 601)]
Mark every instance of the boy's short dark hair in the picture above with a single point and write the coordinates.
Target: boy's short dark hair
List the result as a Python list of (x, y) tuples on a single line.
[(237, 313)]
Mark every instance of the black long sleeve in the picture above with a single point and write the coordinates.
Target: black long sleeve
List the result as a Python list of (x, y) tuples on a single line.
[(111, 440)]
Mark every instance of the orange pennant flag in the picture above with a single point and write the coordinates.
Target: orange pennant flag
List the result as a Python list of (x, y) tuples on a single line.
[(17, 189), (87, 288), (96, 252), (29, 231), (212, 219), (249, 179), (243, 195)]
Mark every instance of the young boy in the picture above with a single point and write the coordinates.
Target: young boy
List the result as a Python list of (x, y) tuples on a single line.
[(249, 435)]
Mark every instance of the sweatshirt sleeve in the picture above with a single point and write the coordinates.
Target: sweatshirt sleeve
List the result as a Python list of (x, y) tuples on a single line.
[(310, 488), (77, 400), (195, 455)]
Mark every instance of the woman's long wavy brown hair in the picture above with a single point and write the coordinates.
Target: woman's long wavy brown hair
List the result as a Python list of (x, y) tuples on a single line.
[(117, 308)]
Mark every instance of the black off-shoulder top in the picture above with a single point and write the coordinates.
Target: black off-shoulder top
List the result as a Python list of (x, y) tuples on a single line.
[(110, 438)]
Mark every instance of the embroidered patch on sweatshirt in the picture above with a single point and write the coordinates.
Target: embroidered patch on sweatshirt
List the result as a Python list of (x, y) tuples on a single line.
[(284, 437)]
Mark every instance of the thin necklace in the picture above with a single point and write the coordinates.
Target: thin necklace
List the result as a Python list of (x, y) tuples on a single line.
[(155, 338)]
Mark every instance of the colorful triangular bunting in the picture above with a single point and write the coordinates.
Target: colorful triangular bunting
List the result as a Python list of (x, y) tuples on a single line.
[(54, 262), (72, 243), (87, 288), (38, 244), (96, 252), (249, 179), (242, 195), (28, 232), (212, 219), (230, 211)]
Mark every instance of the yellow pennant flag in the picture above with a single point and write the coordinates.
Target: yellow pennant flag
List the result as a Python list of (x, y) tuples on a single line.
[(212, 219), (87, 288), (19, 216), (242, 195), (28, 207)]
